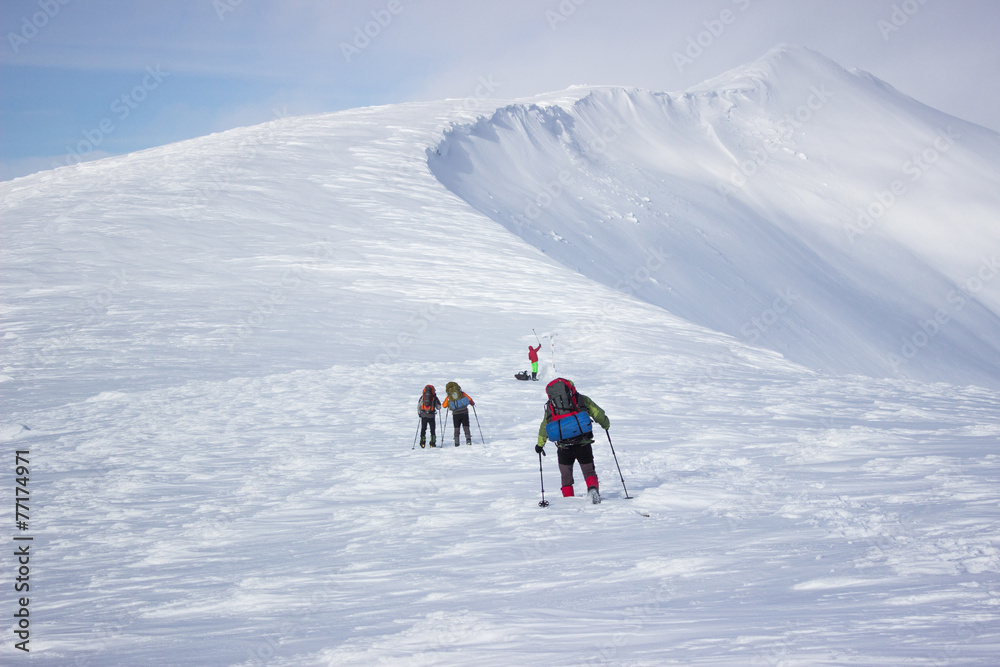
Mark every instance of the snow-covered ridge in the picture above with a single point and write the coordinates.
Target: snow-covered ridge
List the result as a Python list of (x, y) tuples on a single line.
[(790, 203), (211, 353)]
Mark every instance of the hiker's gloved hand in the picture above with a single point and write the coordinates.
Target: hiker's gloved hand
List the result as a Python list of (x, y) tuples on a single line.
[(540, 449)]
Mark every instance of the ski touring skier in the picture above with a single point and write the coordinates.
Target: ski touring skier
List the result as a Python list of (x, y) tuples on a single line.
[(427, 406), (459, 403), (567, 421), (533, 358)]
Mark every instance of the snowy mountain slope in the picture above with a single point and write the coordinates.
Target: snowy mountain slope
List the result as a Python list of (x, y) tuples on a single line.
[(197, 230), (790, 203), (217, 346), (259, 521)]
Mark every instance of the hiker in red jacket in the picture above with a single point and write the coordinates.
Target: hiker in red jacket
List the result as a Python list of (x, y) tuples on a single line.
[(533, 358)]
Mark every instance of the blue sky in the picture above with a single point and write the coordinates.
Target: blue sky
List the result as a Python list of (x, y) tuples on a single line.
[(81, 79)]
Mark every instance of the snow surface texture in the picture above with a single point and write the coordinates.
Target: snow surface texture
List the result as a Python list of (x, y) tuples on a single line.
[(790, 203), (218, 346)]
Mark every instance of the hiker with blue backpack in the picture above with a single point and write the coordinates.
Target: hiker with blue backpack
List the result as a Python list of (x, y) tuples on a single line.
[(459, 403), (568, 421)]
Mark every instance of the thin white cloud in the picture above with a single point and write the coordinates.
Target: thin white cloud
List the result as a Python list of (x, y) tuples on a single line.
[(944, 54)]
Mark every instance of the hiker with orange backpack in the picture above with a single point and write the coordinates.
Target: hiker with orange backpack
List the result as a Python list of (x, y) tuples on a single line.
[(427, 407), (568, 422), (459, 403)]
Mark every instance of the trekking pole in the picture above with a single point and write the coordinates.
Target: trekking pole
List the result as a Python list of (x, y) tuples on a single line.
[(543, 502), (552, 341), (481, 438), (627, 496), (416, 434), (536, 338)]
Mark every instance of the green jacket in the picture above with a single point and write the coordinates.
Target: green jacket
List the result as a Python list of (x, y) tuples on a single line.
[(593, 409)]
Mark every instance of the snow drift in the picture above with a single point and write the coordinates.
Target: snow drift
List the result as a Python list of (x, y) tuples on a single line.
[(212, 352), (789, 203)]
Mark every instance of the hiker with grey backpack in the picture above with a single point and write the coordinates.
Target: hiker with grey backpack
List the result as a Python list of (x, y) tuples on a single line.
[(568, 421)]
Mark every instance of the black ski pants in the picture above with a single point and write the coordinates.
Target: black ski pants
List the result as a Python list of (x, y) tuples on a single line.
[(584, 454), (423, 428), (461, 420)]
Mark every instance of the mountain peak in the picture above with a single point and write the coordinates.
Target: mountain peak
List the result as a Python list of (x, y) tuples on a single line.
[(790, 176), (782, 65)]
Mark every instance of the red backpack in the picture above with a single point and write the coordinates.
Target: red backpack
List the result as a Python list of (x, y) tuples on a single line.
[(565, 418)]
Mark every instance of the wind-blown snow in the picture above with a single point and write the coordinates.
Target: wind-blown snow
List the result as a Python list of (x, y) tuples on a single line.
[(790, 203), (217, 346)]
